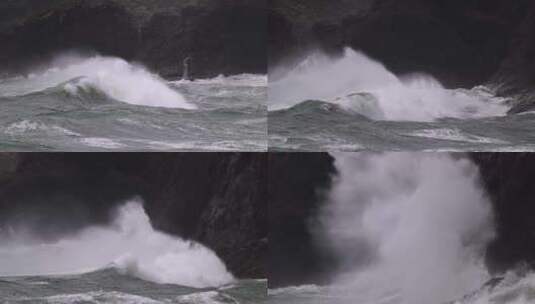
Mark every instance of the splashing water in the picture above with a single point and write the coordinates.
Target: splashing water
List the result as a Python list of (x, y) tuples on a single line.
[(114, 77), (130, 244), (408, 228), (358, 84)]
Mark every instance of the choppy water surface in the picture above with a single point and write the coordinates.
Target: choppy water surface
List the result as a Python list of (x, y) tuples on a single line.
[(109, 286), (353, 103), (512, 289), (107, 104)]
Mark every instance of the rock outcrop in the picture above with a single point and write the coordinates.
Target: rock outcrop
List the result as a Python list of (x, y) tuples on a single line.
[(220, 38), (218, 199)]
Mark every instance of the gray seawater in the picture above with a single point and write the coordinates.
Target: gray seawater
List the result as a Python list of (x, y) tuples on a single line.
[(230, 115), (109, 286), (322, 126)]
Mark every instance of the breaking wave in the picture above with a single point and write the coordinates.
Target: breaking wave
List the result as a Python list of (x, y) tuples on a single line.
[(130, 245), (113, 77), (359, 84)]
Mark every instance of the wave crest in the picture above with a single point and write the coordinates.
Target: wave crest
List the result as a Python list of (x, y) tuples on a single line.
[(112, 76), (129, 245), (413, 98)]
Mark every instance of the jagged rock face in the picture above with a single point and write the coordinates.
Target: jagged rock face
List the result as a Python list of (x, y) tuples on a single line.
[(508, 179), (462, 43), (227, 209), (296, 189), (218, 199), (221, 38)]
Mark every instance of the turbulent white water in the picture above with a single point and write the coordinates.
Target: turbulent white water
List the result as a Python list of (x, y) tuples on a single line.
[(359, 84), (114, 77), (515, 288), (422, 221), (130, 244)]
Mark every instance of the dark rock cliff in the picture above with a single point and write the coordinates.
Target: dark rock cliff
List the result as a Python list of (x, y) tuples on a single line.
[(296, 186), (462, 43), (218, 199), (221, 38), (509, 179)]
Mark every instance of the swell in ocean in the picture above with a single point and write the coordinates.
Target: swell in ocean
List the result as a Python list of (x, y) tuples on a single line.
[(107, 104), (354, 103)]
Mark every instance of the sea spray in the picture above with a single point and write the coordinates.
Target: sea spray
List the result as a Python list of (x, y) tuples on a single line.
[(112, 76), (422, 221), (343, 80), (129, 244)]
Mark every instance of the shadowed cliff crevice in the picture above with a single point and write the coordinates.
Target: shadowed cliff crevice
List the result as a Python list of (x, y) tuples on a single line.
[(296, 190)]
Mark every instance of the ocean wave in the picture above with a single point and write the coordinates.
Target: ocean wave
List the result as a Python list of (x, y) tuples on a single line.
[(113, 77), (416, 97), (129, 245), (309, 108)]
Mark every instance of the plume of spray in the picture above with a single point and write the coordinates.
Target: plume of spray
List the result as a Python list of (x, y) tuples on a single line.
[(129, 244), (112, 76), (422, 219), (350, 80)]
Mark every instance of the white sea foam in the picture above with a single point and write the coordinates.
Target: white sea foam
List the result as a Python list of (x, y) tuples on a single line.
[(454, 135), (130, 244), (387, 97), (100, 142), (422, 221)]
